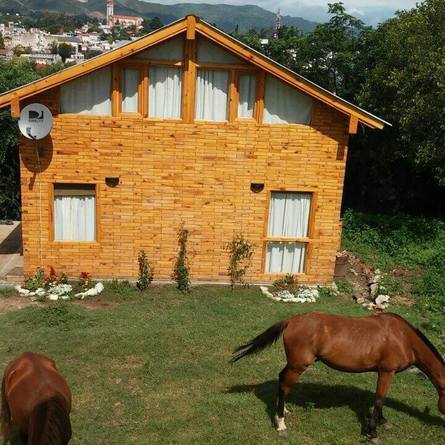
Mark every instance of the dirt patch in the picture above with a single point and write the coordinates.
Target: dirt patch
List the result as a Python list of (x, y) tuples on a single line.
[(15, 303), (96, 304)]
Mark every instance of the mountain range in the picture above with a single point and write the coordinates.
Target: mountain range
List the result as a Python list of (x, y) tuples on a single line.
[(226, 17)]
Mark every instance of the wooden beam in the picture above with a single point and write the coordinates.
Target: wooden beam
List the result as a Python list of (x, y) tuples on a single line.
[(191, 26), (285, 75), (189, 83), (233, 96), (106, 59), (15, 107), (116, 96), (353, 125), (144, 91), (258, 111)]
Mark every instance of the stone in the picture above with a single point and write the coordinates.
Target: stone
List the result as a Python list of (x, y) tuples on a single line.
[(373, 290)]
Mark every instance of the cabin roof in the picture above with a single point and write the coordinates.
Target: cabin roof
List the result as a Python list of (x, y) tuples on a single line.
[(192, 25)]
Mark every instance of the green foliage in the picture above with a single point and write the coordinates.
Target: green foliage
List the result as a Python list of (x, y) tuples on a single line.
[(240, 251), (181, 272), (289, 282), (145, 272), (65, 51), (326, 292), (2, 42), (54, 315), (35, 281), (344, 287), (120, 290), (388, 241)]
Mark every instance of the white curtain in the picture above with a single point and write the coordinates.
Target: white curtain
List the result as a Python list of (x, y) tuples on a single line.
[(164, 96), (75, 218), (130, 92), (246, 95), (211, 95), (288, 217), (285, 257), (90, 94), (283, 104)]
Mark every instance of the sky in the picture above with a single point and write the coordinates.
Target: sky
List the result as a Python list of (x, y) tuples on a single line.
[(370, 11)]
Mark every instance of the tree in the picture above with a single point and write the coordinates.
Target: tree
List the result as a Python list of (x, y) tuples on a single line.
[(54, 47), (13, 73), (403, 70), (2, 42), (65, 51)]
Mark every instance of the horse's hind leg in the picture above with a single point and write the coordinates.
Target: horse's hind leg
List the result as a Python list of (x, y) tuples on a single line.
[(286, 379), (383, 382)]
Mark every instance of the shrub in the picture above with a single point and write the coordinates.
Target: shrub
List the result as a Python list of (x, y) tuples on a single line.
[(145, 272), (289, 282), (344, 287), (181, 273), (120, 290), (429, 290), (241, 252)]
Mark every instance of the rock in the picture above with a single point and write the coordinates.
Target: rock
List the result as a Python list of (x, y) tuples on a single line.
[(382, 301), (53, 297), (334, 287), (373, 290), (360, 300), (353, 271)]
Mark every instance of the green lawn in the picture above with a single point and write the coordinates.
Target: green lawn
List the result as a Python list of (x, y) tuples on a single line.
[(154, 368)]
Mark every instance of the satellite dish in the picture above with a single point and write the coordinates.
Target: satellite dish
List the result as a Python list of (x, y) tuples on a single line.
[(35, 121)]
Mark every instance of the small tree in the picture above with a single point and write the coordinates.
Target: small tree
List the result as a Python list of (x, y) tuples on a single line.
[(181, 272), (2, 42), (65, 51), (241, 252), (145, 272)]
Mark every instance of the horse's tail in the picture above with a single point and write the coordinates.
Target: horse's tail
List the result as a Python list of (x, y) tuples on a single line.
[(260, 342), (5, 413), (49, 423)]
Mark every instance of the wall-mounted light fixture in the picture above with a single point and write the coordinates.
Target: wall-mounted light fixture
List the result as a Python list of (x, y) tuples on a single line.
[(112, 181), (256, 187)]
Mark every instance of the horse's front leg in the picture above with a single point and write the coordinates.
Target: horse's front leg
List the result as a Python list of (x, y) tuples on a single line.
[(286, 379), (383, 382)]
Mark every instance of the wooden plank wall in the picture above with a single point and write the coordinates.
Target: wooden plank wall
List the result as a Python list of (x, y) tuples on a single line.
[(170, 172)]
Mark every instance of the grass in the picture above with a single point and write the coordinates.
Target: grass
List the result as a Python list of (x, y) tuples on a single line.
[(153, 368)]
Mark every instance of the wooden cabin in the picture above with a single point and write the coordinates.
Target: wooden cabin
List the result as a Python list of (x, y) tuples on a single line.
[(185, 125)]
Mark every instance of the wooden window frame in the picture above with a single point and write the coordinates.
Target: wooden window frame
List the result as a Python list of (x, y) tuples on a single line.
[(309, 240), (253, 72), (51, 219)]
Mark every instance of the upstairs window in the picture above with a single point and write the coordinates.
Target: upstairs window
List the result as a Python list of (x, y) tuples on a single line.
[(288, 228), (246, 87), (130, 90), (74, 212), (212, 95), (283, 104), (90, 94), (164, 96)]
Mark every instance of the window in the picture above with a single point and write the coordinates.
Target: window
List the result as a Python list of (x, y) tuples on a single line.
[(283, 104), (90, 94), (74, 212), (289, 224), (172, 49), (246, 95), (164, 97), (211, 95), (130, 90)]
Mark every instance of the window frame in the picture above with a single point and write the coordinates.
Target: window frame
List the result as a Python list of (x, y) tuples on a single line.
[(141, 69), (309, 240), (51, 218)]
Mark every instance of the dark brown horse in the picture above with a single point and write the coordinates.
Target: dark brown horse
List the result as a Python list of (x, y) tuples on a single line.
[(383, 343), (36, 401)]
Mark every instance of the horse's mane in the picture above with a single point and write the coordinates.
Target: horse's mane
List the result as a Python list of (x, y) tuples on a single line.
[(422, 337)]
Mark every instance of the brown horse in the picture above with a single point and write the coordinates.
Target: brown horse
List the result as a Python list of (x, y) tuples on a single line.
[(384, 343), (36, 400)]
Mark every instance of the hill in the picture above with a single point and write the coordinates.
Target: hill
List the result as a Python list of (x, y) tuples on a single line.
[(226, 17)]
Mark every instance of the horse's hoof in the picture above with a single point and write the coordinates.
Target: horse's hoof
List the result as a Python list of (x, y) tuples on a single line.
[(282, 433)]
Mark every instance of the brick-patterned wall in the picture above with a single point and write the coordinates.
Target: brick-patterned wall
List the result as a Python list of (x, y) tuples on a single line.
[(172, 172)]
